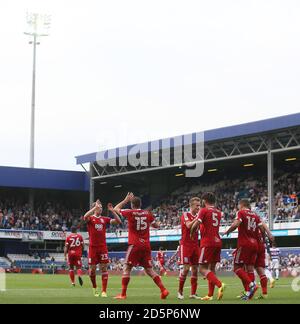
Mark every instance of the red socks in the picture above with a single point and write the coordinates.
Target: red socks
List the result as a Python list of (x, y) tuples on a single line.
[(162, 271), (104, 281), (72, 276), (251, 276), (93, 279), (159, 283), (156, 279), (264, 284), (246, 287), (211, 277), (79, 272), (243, 275), (194, 283), (125, 282), (182, 280), (211, 289)]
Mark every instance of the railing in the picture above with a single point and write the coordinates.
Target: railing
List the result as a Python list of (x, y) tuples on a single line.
[(282, 221)]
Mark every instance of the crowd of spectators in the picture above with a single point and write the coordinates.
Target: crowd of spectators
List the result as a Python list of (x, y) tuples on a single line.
[(54, 216), (229, 192), (49, 216), (290, 262)]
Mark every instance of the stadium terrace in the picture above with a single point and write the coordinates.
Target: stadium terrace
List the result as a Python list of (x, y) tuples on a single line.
[(256, 145), (258, 161)]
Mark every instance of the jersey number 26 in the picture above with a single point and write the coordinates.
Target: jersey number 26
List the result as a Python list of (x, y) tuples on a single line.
[(75, 242)]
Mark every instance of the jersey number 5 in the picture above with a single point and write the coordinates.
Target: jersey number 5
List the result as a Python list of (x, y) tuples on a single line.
[(215, 219)]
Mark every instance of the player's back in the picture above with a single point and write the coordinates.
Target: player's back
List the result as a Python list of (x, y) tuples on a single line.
[(209, 228), (139, 222), (75, 243), (248, 229)]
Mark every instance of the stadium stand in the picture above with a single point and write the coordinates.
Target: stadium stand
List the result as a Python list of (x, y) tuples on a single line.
[(25, 261), (4, 263), (289, 261), (50, 216), (57, 257), (55, 217), (228, 193)]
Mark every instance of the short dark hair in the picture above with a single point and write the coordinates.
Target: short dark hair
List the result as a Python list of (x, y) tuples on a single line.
[(136, 202), (209, 197), (245, 203), (74, 229)]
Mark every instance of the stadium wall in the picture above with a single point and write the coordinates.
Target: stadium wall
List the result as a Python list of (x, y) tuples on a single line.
[(113, 238)]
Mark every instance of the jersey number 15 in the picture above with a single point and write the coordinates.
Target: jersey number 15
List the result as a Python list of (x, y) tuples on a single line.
[(141, 223)]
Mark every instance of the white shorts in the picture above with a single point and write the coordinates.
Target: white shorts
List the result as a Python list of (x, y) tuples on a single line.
[(275, 265)]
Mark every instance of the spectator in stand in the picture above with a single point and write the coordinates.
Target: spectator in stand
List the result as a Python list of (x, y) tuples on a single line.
[(50, 216)]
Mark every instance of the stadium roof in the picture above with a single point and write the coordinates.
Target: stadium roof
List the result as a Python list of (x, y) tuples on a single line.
[(219, 134), (43, 179)]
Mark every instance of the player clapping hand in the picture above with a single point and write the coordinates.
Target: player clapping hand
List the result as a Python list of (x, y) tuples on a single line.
[(129, 197)]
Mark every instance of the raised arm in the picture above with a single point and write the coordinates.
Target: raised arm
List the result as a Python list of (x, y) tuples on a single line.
[(123, 203), (236, 223), (91, 212), (117, 219)]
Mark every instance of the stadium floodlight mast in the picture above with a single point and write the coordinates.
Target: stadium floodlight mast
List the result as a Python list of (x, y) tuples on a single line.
[(38, 25)]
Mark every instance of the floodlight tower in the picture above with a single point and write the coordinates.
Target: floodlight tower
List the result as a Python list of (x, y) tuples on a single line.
[(38, 25)]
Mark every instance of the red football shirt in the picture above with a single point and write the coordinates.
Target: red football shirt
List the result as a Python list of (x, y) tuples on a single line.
[(185, 232), (248, 229), (97, 230), (139, 222), (74, 242), (209, 228), (161, 255)]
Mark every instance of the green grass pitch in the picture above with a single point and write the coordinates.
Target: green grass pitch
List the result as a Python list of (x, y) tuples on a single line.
[(56, 289)]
